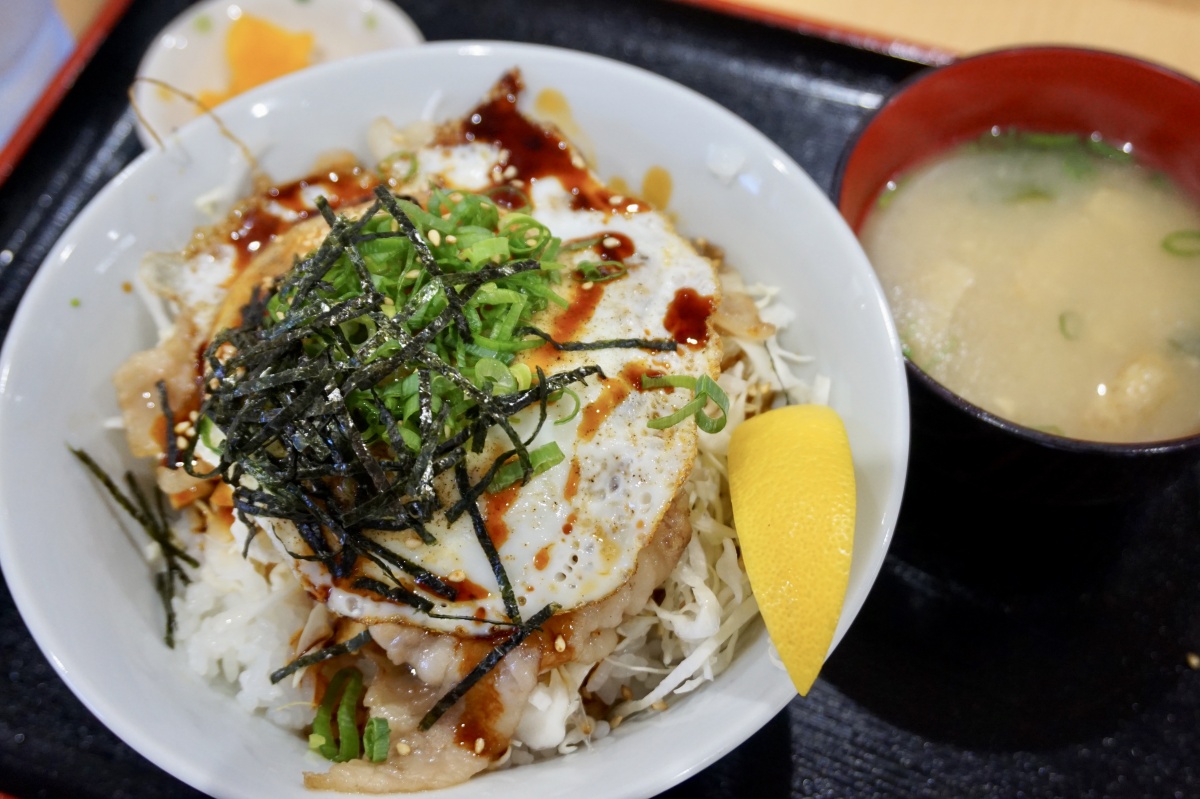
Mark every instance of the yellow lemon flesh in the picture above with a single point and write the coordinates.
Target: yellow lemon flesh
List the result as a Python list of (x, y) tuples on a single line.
[(258, 51), (791, 480)]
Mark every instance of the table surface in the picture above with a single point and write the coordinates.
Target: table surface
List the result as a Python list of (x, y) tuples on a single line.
[(1043, 653)]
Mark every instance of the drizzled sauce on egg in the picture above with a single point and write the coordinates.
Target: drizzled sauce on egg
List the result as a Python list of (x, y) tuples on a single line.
[(687, 317), (497, 505), (263, 220), (535, 152)]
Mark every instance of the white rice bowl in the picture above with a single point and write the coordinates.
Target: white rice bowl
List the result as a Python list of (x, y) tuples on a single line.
[(81, 583)]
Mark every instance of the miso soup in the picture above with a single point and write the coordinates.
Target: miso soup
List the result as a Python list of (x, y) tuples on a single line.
[(1050, 280)]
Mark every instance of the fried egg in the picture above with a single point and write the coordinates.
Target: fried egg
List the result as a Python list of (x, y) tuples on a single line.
[(571, 535)]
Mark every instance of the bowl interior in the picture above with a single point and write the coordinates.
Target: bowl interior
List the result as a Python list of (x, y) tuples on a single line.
[(91, 605)]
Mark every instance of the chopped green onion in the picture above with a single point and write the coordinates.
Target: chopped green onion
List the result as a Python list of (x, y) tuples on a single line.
[(403, 158), (542, 458), (575, 412), (1030, 194), (347, 717), (703, 388), (1185, 243), (376, 739), (1070, 324), (1106, 150), (600, 271), (1050, 140), (490, 249), (321, 739)]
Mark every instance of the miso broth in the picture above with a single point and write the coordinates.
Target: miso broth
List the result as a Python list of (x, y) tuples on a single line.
[(1050, 280)]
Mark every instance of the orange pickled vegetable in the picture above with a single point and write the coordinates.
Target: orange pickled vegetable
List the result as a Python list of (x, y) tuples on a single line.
[(258, 51)]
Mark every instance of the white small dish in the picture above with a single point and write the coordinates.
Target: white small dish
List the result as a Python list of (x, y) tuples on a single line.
[(74, 567), (189, 54)]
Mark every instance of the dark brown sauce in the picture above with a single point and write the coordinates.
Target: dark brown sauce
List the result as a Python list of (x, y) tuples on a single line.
[(613, 393), (257, 224), (560, 624), (634, 372), (569, 525), (687, 317), (481, 706), (535, 153), (566, 324), (614, 246), (542, 559), (509, 197), (467, 591), (572, 486), (496, 505), (584, 301)]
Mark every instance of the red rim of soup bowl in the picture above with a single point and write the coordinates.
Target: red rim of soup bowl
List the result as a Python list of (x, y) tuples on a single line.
[(1044, 89)]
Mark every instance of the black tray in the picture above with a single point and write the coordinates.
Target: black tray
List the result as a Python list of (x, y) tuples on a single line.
[(1053, 665)]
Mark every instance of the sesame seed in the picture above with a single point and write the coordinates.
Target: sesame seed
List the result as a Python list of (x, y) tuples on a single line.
[(626, 693), (193, 415), (588, 285), (577, 161), (214, 384), (510, 172), (403, 749), (616, 199), (412, 274), (517, 182), (659, 705), (456, 197), (181, 442), (1193, 661), (457, 576), (451, 239), (182, 427), (611, 242), (560, 644), (586, 728), (530, 242), (615, 722), (479, 745), (279, 314), (435, 238)]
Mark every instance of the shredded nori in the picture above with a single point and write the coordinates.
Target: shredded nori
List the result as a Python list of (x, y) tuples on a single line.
[(485, 665), (346, 647), (348, 388), (654, 344), (154, 522)]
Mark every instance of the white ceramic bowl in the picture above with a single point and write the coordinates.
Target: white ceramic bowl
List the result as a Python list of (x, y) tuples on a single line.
[(189, 53), (78, 578)]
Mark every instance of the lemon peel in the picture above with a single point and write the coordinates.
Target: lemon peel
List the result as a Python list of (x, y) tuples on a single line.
[(791, 481)]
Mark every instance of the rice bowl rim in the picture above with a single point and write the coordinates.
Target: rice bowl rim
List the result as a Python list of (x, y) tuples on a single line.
[(57, 360)]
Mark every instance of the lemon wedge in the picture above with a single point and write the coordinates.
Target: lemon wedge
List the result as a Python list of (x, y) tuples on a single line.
[(791, 480)]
